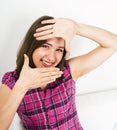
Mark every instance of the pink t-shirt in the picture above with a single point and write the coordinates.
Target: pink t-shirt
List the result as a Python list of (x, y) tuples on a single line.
[(54, 109)]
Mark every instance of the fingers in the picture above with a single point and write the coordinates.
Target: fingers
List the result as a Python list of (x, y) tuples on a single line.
[(47, 75), (45, 37), (43, 70), (50, 79), (47, 27), (48, 21), (26, 61), (43, 33), (67, 45), (51, 74), (47, 72)]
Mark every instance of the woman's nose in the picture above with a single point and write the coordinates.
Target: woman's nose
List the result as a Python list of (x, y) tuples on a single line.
[(51, 56)]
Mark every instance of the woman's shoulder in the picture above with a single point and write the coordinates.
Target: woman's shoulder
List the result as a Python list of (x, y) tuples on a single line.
[(9, 78), (66, 65), (66, 68)]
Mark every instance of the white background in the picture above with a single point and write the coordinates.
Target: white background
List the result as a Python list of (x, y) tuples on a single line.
[(16, 16)]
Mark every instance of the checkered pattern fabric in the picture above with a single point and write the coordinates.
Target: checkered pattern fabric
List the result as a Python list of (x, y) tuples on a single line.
[(54, 109)]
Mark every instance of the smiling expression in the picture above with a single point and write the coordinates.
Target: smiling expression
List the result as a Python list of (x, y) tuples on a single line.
[(50, 53)]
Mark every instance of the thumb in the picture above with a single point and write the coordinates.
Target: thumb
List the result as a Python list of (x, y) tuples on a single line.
[(26, 61), (67, 46)]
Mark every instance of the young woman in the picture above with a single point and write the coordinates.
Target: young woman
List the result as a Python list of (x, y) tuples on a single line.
[(42, 87)]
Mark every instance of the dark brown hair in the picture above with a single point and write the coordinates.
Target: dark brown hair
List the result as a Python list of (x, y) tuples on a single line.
[(30, 43)]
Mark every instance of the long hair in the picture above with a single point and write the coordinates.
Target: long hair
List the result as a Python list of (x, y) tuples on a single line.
[(30, 43)]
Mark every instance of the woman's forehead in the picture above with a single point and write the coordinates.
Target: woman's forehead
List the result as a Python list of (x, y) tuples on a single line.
[(56, 42)]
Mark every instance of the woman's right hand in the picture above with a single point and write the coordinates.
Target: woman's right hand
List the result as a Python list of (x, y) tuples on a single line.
[(61, 27), (31, 78)]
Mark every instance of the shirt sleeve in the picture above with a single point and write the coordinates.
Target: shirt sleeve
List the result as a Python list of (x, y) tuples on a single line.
[(9, 79)]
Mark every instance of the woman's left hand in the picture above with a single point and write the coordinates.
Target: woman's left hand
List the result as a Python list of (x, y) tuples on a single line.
[(61, 27)]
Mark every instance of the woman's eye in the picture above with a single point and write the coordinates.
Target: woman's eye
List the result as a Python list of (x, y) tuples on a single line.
[(60, 50), (45, 46)]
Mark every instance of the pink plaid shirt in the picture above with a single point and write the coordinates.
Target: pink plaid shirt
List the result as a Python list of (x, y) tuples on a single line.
[(54, 109)]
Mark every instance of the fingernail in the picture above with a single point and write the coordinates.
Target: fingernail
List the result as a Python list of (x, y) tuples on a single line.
[(38, 39), (25, 55), (57, 68), (34, 35), (61, 72), (37, 30), (42, 22), (59, 75)]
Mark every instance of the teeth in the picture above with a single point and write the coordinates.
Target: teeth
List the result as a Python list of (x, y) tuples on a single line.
[(46, 63)]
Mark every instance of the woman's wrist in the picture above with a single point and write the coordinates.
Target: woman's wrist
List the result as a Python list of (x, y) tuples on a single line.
[(19, 88), (78, 28)]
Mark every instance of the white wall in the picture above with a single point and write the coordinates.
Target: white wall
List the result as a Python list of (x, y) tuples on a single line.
[(16, 16)]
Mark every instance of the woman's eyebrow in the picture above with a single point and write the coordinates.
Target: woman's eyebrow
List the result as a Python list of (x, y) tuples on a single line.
[(62, 47), (52, 45), (48, 44)]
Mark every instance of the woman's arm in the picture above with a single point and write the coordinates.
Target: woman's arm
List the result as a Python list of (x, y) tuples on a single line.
[(9, 102), (107, 45), (67, 28), (103, 37), (30, 78)]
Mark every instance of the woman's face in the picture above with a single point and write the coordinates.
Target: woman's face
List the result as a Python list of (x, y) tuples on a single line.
[(49, 54)]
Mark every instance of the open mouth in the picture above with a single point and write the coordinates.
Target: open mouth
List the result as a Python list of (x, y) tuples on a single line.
[(46, 63)]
